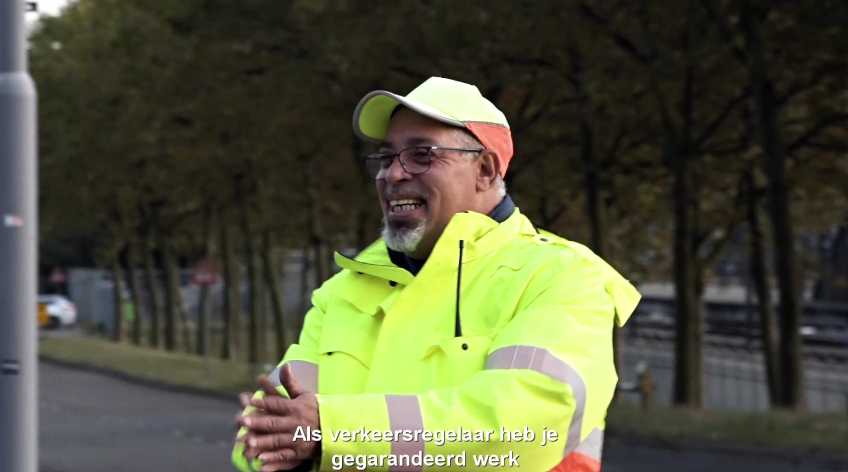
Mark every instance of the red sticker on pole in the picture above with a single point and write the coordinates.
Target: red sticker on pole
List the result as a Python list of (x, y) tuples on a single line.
[(58, 276), (204, 274)]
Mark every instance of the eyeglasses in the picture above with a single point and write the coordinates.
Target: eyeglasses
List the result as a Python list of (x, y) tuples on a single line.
[(414, 160)]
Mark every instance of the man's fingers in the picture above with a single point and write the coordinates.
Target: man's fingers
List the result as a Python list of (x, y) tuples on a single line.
[(292, 386), (245, 421), (274, 467), (268, 387), (270, 443), (244, 399), (278, 405), (279, 455), (270, 423)]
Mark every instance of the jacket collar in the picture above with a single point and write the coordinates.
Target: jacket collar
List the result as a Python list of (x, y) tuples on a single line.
[(481, 235)]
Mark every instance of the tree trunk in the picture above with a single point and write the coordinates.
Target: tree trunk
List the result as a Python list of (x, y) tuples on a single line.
[(544, 199), (135, 293), (323, 253), (688, 369), (362, 230), (202, 341), (305, 292), (156, 338), (364, 235), (774, 166), (232, 298), (768, 323), (330, 257), (182, 313), (118, 334), (172, 296), (274, 281), (688, 267), (256, 348), (316, 239)]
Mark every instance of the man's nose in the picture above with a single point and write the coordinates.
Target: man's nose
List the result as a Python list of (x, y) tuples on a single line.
[(396, 173)]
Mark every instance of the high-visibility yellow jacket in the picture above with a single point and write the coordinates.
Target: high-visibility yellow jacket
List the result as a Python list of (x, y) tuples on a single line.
[(532, 350)]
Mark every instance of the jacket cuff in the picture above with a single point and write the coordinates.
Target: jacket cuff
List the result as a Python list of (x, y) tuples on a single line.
[(341, 417)]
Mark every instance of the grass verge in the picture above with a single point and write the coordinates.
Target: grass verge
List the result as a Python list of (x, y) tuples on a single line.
[(173, 368), (798, 431)]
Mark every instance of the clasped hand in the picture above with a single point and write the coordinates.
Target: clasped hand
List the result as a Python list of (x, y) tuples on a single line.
[(271, 428)]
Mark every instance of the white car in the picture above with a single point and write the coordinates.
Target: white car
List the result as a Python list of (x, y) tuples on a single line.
[(60, 311)]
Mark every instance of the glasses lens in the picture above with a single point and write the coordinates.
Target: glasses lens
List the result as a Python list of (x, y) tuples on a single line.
[(417, 160), (376, 164)]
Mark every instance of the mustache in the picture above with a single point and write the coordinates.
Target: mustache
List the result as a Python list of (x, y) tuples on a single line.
[(403, 194)]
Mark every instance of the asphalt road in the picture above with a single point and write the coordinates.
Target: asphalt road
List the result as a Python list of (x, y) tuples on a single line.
[(94, 423)]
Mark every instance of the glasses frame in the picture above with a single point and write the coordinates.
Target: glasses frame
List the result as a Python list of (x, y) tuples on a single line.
[(379, 156)]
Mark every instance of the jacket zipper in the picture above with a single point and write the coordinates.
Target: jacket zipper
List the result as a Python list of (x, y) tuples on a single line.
[(458, 324)]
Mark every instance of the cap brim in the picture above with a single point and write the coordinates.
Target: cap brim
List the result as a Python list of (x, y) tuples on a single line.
[(373, 113)]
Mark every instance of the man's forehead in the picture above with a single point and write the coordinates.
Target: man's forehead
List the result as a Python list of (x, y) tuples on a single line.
[(408, 141), (410, 128)]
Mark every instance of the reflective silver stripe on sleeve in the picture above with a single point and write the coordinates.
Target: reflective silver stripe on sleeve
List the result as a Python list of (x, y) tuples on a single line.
[(542, 361), (593, 445), (304, 372), (405, 414)]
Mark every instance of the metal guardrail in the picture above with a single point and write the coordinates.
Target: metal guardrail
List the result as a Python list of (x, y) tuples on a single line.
[(811, 349)]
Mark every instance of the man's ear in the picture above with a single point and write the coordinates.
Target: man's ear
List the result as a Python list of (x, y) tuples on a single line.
[(488, 169)]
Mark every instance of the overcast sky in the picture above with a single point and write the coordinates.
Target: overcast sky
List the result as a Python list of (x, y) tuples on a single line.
[(46, 7), (50, 7)]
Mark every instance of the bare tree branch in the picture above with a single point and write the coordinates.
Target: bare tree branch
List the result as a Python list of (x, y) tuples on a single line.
[(738, 99), (801, 86), (819, 127), (616, 142), (719, 244), (555, 216), (619, 39), (836, 148), (732, 149), (724, 30)]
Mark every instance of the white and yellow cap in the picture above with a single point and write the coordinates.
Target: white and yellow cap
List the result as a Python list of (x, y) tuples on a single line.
[(455, 103)]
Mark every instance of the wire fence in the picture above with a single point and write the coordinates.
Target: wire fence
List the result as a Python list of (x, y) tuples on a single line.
[(734, 374)]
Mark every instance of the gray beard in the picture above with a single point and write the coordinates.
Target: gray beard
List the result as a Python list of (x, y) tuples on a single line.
[(403, 239)]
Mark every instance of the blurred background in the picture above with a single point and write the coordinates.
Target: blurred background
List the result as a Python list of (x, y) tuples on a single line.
[(198, 170)]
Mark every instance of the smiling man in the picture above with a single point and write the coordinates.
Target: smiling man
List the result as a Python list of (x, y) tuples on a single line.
[(462, 321), (432, 182)]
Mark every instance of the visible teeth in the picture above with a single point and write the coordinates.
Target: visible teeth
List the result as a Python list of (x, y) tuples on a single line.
[(408, 201), (404, 205)]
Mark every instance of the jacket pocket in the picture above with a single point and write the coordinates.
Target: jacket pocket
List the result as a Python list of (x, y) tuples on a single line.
[(452, 361), (344, 359)]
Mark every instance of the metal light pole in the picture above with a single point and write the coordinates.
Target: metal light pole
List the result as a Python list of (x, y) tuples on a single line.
[(18, 247)]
